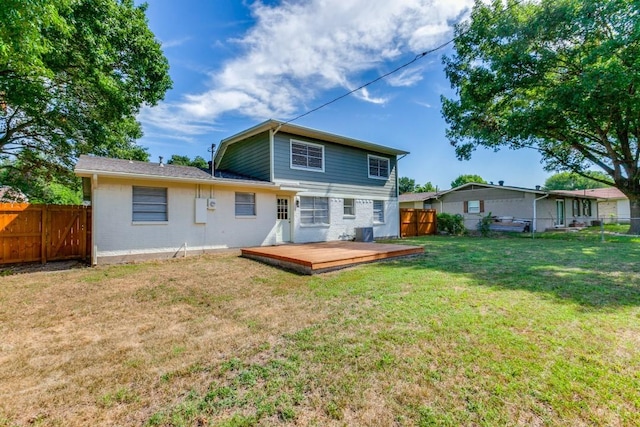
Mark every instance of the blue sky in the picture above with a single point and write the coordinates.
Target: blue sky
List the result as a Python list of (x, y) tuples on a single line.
[(237, 63)]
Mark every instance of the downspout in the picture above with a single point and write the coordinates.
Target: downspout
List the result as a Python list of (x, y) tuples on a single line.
[(398, 194), (271, 152), (535, 211), (94, 234)]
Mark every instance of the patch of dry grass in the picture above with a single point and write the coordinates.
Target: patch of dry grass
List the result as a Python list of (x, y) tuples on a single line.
[(92, 346)]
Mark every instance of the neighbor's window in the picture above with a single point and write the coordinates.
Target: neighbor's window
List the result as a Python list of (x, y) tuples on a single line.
[(314, 210), (150, 204), (576, 207), (349, 207), (245, 204), (378, 167), (586, 207), (473, 206), (378, 211), (305, 155)]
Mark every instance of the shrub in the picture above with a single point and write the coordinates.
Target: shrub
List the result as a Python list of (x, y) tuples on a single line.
[(484, 225), (450, 223)]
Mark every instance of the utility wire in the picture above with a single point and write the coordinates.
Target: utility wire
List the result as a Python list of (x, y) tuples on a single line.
[(395, 70)]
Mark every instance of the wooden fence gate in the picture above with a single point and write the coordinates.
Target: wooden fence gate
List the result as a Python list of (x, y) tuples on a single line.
[(30, 233), (417, 222)]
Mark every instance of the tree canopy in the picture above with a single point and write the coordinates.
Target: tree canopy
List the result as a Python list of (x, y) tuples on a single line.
[(73, 76), (465, 179), (557, 76), (198, 161), (408, 185), (573, 181)]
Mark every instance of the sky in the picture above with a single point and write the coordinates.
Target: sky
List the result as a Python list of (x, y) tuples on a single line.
[(237, 63)]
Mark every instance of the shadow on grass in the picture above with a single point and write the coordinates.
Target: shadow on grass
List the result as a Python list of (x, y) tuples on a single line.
[(592, 274)]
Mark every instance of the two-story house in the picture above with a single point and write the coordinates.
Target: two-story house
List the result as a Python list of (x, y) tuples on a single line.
[(273, 183)]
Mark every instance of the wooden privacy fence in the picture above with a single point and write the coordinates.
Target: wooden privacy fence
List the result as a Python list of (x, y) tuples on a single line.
[(417, 222), (30, 233)]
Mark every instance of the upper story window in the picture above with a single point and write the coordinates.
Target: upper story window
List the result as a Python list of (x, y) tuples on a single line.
[(307, 156), (378, 167), (150, 204)]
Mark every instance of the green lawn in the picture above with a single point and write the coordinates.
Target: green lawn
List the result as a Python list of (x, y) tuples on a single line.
[(478, 331)]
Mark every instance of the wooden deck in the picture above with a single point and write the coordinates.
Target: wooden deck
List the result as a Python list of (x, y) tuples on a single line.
[(311, 258)]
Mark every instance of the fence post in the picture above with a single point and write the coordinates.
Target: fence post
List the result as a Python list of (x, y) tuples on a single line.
[(602, 229)]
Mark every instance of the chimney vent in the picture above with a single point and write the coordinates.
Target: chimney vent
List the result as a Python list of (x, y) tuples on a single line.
[(161, 164), (501, 183), (537, 187)]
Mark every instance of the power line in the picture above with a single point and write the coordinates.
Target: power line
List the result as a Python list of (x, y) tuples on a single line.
[(395, 70)]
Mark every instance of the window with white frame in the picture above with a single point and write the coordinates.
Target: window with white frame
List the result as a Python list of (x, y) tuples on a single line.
[(378, 211), (378, 167), (473, 206), (314, 210), (349, 207), (245, 204), (586, 207), (150, 204), (308, 156)]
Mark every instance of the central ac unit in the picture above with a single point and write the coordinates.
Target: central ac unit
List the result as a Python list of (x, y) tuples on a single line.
[(211, 203)]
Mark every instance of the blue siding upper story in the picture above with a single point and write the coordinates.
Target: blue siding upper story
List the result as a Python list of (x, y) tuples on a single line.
[(249, 157), (346, 168)]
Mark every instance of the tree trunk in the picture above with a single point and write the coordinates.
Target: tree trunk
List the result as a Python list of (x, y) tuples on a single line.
[(634, 204)]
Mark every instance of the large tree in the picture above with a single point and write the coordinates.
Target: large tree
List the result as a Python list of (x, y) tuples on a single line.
[(573, 181), (406, 185), (73, 76), (558, 76), (467, 178)]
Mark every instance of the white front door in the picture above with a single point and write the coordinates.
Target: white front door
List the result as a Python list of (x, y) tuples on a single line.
[(283, 221)]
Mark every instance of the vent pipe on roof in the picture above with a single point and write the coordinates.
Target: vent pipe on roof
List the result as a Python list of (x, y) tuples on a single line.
[(501, 183), (538, 187), (161, 164)]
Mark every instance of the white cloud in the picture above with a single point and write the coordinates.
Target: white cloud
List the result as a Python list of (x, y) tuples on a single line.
[(175, 42), (298, 49)]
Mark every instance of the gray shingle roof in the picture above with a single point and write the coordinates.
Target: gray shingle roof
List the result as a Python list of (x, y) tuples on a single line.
[(105, 164), (133, 167), (416, 197)]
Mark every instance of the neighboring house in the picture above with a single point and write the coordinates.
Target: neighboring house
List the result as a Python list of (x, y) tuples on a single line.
[(613, 205), (12, 195), (543, 209), (273, 183), (415, 200)]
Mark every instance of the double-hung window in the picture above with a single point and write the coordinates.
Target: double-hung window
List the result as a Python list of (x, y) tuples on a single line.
[(378, 167), (150, 204), (314, 210), (349, 207), (474, 206), (307, 156), (245, 204), (378, 211)]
